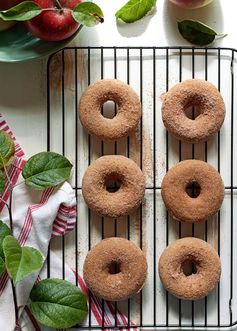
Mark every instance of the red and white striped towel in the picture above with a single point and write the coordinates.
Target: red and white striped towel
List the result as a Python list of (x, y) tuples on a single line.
[(38, 216)]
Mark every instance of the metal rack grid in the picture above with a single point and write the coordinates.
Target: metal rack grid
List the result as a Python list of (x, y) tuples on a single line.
[(151, 71)]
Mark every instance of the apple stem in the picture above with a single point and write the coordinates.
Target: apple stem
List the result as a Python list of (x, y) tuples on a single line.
[(58, 4)]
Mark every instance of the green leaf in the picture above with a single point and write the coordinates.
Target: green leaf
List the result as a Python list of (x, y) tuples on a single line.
[(7, 148), (4, 231), (22, 12), (134, 10), (2, 182), (88, 14), (2, 265), (57, 303), (20, 261), (196, 32), (46, 169)]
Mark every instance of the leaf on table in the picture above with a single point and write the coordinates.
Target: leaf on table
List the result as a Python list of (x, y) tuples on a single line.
[(4, 231), (2, 182), (88, 14), (20, 261), (134, 10), (2, 265), (196, 32), (24, 11), (7, 148), (46, 169), (57, 303)]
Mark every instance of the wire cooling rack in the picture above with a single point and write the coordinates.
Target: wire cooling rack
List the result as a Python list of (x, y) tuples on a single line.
[(150, 71)]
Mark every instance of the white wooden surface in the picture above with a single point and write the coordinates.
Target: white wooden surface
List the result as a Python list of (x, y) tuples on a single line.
[(23, 103)]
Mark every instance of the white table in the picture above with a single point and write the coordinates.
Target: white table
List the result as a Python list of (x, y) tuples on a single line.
[(23, 85)]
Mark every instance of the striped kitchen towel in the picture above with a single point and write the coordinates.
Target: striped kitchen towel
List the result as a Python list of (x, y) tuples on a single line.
[(37, 217)]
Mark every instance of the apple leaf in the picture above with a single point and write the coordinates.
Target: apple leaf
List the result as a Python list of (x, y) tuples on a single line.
[(57, 303), (2, 182), (88, 14), (46, 169), (7, 148), (20, 261), (4, 231), (196, 32), (134, 10), (24, 11), (2, 265)]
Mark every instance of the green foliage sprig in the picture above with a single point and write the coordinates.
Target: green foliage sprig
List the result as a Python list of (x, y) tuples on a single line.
[(49, 298), (134, 10)]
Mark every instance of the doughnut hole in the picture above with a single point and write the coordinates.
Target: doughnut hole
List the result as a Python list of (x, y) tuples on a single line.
[(114, 268), (192, 112), (113, 182), (109, 109), (189, 267), (193, 189)]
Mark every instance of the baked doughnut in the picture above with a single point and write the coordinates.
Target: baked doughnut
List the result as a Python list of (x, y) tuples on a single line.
[(196, 93), (123, 172), (180, 178), (189, 268), (128, 112), (111, 283)]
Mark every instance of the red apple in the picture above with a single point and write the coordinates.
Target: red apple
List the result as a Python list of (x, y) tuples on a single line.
[(55, 24)]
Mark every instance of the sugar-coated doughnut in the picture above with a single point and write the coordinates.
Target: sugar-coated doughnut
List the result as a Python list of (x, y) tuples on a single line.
[(179, 203), (128, 109), (125, 173), (193, 93), (101, 275), (189, 268)]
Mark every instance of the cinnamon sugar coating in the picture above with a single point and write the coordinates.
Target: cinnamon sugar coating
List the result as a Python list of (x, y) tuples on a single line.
[(181, 206), (131, 275), (128, 111), (113, 168), (207, 272), (193, 93)]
